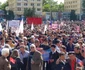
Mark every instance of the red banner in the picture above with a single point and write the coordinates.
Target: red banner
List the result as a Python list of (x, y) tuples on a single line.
[(34, 20)]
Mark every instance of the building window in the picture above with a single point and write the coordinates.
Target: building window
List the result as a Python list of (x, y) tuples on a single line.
[(32, 0), (38, 4), (38, 0), (25, 0), (18, 0), (18, 4), (38, 9), (18, 9), (25, 4), (32, 4)]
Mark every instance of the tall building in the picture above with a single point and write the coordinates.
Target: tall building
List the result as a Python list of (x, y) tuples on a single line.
[(18, 6), (73, 5)]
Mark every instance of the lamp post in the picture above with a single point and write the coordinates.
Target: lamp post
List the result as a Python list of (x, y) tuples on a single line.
[(7, 9), (50, 10)]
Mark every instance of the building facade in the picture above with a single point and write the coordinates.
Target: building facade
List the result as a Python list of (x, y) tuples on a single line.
[(18, 6), (73, 5)]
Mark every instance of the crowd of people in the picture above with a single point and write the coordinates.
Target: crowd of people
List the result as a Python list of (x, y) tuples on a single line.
[(62, 48)]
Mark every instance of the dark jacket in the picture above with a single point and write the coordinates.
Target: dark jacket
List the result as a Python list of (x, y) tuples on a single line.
[(79, 56), (17, 65), (70, 47), (54, 56), (60, 66)]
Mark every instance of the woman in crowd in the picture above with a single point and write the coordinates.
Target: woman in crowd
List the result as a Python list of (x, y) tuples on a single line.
[(15, 61)]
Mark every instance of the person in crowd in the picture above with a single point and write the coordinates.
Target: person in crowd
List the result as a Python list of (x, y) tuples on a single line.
[(1, 49), (24, 54), (31, 41), (20, 42), (2, 40), (4, 63), (77, 52), (35, 59), (64, 40), (61, 61), (73, 63), (15, 61), (63, 49), (70, 45), (10, 42), (58, 45), (45, 44), (54, 55), (26, 43)]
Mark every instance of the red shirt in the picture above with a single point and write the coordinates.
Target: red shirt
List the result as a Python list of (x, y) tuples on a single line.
[(73, 62)]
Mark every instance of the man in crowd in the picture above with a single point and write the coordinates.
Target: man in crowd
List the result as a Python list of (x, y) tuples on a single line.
[(70, 45), (60, 63), (24, 54), (54, 55), (73, 63)]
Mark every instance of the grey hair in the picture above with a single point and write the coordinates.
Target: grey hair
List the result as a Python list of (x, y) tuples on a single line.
[(4, 51), (33, 45)]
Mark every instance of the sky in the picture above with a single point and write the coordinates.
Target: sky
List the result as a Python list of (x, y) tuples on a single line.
[(2, 1)]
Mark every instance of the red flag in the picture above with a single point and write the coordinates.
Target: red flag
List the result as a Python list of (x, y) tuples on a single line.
[(12, 60), (34, 20)]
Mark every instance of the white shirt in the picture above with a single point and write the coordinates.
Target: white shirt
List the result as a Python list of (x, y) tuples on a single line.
[(58, 49)]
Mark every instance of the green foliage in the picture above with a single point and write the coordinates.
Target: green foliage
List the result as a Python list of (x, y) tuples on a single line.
[(10, 15), (51, 5), (73, 16), (83, 4), (29, 12), (3, 6)]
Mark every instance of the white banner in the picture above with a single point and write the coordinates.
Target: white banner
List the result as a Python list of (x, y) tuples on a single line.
[(14, 24)]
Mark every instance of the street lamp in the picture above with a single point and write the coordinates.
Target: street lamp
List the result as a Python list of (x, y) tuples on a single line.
[(7, 9)]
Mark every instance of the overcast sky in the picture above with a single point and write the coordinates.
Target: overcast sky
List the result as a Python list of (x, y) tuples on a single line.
[(2, 1)]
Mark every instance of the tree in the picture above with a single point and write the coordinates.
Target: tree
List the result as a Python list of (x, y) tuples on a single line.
[(61, 7), (83, 4), (73, 15), (3, 6), (10, 15), (29, 12), (51, 5)]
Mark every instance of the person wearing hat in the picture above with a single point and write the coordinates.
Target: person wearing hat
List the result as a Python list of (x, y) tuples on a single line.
[(54, 55), (73, 63), (77, 52), (35, 59), (60, 63), (63, 49)]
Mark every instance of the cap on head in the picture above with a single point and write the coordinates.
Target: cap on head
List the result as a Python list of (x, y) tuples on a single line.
[(61, 53), (77, 46), (32, 45), (71, 52)]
